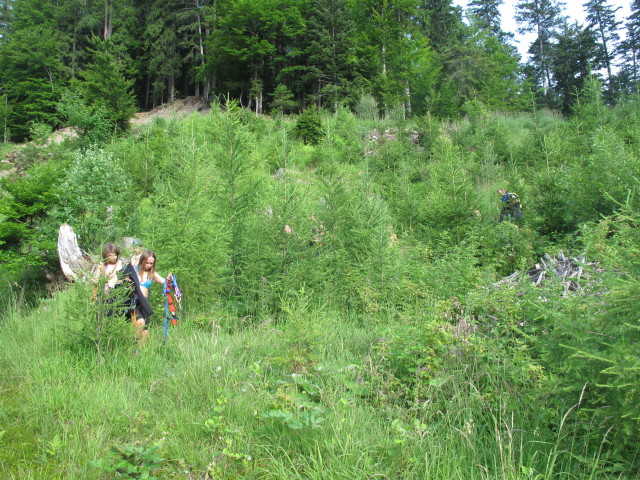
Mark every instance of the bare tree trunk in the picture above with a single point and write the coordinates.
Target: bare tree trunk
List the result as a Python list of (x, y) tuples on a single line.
[(202, 61), (6, 114), (407, 94), (146, 92), (108, 19), (171, 88)]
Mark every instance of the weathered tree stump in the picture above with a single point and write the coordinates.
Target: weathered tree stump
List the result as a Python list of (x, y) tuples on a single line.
[(75, 263)]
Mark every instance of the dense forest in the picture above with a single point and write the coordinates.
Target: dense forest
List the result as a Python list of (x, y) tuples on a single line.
[(354, 303), (412, 56)]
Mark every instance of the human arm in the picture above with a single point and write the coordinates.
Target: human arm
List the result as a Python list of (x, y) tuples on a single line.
[(135, 258), (159, 279)]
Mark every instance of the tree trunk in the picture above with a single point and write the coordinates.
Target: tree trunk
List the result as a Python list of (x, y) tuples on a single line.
[(6, 114), (407, 103), (108, 19), (73, 261), (171, 88), (202, 60)]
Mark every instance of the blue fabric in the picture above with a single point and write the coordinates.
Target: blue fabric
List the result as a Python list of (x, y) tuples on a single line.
[(147, 283)]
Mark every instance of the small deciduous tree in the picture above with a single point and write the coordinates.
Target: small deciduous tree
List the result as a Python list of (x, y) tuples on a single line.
[(93, 196)]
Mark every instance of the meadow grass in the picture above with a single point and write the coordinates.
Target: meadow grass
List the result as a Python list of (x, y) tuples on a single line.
[(302, 398), (343, 362)]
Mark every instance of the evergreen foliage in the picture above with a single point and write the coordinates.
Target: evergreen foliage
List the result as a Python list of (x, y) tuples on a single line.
[(355, 295), (309, 127), (414, 56)]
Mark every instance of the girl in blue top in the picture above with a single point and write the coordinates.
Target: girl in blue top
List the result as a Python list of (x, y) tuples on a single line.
[(146, 270)]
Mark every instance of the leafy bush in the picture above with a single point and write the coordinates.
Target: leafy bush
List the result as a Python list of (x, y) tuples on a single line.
[(132, 461), (93, 125), (94, 197), (40, 132), (413, 353), (508, 248)]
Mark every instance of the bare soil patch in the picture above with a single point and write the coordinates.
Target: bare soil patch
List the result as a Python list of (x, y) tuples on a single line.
[(179, 108)]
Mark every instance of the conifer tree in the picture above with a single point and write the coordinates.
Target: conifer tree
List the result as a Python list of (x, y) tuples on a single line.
[(629, 48), (487, 13), (26, 201), (331, 51), (163, 59), (441, 22), (601, 19), (6, 14), (32, 70), (543, 18), (283, 101), (571, 62), (106, 86)]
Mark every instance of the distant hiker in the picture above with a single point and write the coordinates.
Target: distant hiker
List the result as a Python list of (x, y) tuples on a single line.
[(511, 206)]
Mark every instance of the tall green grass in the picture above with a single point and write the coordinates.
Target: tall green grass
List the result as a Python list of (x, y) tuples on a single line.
[(306, 397)]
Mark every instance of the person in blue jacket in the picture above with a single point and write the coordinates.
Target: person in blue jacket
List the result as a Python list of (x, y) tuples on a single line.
[(511, 206)]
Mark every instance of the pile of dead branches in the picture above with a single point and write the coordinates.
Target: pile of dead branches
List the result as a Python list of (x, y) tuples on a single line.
[(570, 271)]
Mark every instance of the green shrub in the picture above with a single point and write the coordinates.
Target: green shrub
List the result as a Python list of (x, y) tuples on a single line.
[(95, 197), (309, 127), (367, 107), (593, 335), (413, 353), (132, 461)]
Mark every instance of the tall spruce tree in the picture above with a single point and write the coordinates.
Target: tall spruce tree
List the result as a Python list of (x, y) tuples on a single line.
[(629, 48), (543, 18), (487, 14), (330, 48), (106, 86), (163, 58), (571, 60), (6, 14), (441, 22), (32, 71), (601, 18)]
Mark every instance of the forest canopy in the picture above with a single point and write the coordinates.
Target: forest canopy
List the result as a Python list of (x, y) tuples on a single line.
[(413, 56)]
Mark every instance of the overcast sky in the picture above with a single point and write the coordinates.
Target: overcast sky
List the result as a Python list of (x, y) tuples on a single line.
[(573, 9)]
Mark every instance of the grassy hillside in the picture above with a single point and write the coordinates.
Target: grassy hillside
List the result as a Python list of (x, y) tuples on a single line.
[(342, 312)]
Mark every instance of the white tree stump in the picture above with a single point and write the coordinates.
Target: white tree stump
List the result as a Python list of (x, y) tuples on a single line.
[(74, 262)]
